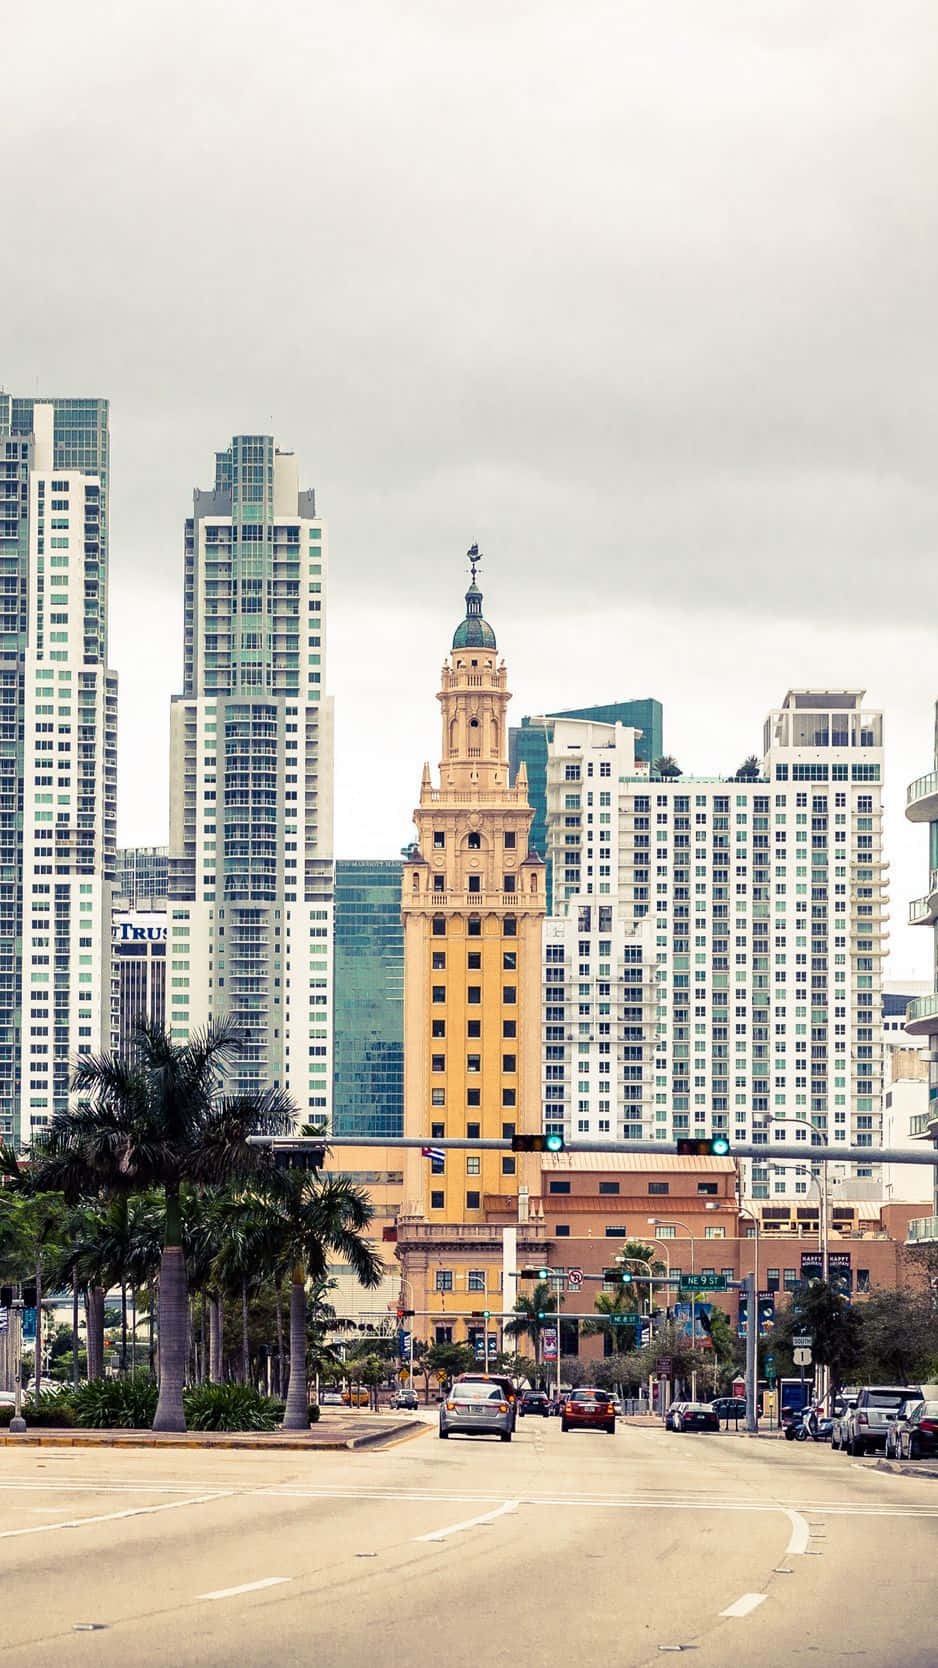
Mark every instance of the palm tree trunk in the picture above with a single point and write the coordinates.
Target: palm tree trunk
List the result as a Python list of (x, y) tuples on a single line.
[(278, 1310), (133, 1328), (170, 1414), (245, 1344), (123, 1326), (96, 1322), (38, 1329), (75, 1346), (214, 1338), (296, 1415), (202, 1362), (151, 1352)]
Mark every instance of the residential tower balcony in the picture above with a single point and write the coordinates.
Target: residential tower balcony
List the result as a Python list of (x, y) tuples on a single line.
[(921, 800), (921, 1015), (923, 912), (922, 1230)]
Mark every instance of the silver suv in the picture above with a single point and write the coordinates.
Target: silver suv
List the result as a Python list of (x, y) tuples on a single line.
[(876, 1407)]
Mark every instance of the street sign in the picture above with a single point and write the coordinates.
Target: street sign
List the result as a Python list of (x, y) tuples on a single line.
[(574, 1279), (803, 1342), (4, 1318), (549, 1343), (664, 1367), (703, 1282), (440, 1376), (801, 1357)]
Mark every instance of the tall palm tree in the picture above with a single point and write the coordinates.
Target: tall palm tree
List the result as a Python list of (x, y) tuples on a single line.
[(533, 1314), (158, 1119), (310, 1219)]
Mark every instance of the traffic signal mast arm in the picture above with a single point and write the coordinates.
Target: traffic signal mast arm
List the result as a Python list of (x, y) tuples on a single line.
[(817, 1152)]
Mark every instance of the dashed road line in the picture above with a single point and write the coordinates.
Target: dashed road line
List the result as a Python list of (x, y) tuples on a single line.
[(246, 1587), (744, 1606), (469, 1522), (112, 1517)]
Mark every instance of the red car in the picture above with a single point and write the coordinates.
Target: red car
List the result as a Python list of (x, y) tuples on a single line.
[(589, 1409)]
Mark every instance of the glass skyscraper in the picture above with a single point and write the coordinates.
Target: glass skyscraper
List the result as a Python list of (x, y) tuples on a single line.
[(368, 1085), (250, 852), (531, 740), (142, 876), (58, 752)]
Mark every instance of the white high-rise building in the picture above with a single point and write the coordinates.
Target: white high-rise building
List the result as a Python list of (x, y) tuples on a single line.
[(757, 908), (250, 855), (58, 753)]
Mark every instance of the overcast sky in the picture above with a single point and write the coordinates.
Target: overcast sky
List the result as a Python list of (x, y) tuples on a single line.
[(639, 295)]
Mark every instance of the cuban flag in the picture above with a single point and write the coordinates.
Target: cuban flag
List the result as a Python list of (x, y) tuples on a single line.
[(437, 1153)]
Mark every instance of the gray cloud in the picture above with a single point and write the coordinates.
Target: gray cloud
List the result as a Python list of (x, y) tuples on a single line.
[(642, 296)]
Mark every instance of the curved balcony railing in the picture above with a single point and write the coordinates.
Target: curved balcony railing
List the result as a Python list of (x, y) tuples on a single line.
[(921, 1015), (921, 800)]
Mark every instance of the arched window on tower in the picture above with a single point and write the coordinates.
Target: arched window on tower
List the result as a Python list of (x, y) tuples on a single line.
[(474, 842)]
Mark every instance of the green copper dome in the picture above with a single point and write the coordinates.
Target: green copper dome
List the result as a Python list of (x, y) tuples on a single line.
[(475, 632)]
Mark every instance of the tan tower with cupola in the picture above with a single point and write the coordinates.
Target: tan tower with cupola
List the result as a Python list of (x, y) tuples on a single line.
[(473, 902)]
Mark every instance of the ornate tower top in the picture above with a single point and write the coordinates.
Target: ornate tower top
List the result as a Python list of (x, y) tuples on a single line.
[(474, 632)]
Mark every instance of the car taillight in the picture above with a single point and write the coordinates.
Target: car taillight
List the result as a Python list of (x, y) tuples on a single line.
[(503, 1407), (450, 1406), (928, 1424), (862, 1419)]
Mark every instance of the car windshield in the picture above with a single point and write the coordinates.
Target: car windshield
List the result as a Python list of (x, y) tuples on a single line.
[(477, 1392), (885, 1398), (590, 1396)]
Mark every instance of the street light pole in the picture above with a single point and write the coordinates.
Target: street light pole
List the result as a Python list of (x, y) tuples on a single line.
[(17, 1423)]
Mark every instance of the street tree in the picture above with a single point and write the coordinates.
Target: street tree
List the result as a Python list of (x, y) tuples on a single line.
[(158, 1119), (533, 1314)]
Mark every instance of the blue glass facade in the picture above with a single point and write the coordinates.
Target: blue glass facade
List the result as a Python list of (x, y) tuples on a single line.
[(368, 1079), (529, 742)]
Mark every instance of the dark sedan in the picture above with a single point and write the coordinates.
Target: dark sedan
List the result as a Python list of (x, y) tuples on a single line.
[(697, 1416), (918, 1432), (729, 1407), (534, 1401)]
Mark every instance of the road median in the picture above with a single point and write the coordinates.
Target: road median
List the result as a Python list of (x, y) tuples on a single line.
[(322, 1438)]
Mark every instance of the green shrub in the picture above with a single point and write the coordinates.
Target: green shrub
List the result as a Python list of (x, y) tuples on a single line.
[(315, 1413), (230, 1407), (127, 1403), (55, 1412)]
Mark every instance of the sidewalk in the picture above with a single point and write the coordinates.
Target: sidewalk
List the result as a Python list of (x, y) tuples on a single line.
[(330, 1434)]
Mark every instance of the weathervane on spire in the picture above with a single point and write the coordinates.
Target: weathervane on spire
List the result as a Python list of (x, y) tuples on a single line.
[(474, 559)]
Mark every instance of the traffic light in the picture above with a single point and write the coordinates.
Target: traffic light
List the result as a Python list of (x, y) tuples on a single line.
[(622, 1276), (534, 1273), (537, 1143), (703, 1146), (305, 1156)]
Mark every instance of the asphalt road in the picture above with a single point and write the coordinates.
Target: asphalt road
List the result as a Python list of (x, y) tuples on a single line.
[(553, 1551)]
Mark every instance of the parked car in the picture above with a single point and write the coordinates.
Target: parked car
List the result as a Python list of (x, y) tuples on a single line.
[(903, 1412), (877, 1405), (404, 1398), (843, 1406), (589, 1409), (477, 1407), (729, 1407), (696, 1416), (671, 1416), (331, 1398), (918, 1431), (534, 1401), (505, 1384), (356, 1398)]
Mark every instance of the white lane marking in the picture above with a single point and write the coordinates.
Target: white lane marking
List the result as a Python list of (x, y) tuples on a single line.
[(745, 1605), (469, 1522), (111, 1517), (246, 1587), (800, 1533)]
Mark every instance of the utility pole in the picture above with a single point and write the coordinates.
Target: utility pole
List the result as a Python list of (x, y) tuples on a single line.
[(752, 1335)]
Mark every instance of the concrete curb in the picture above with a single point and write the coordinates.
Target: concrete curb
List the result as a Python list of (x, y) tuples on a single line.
[(260, 1441)]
